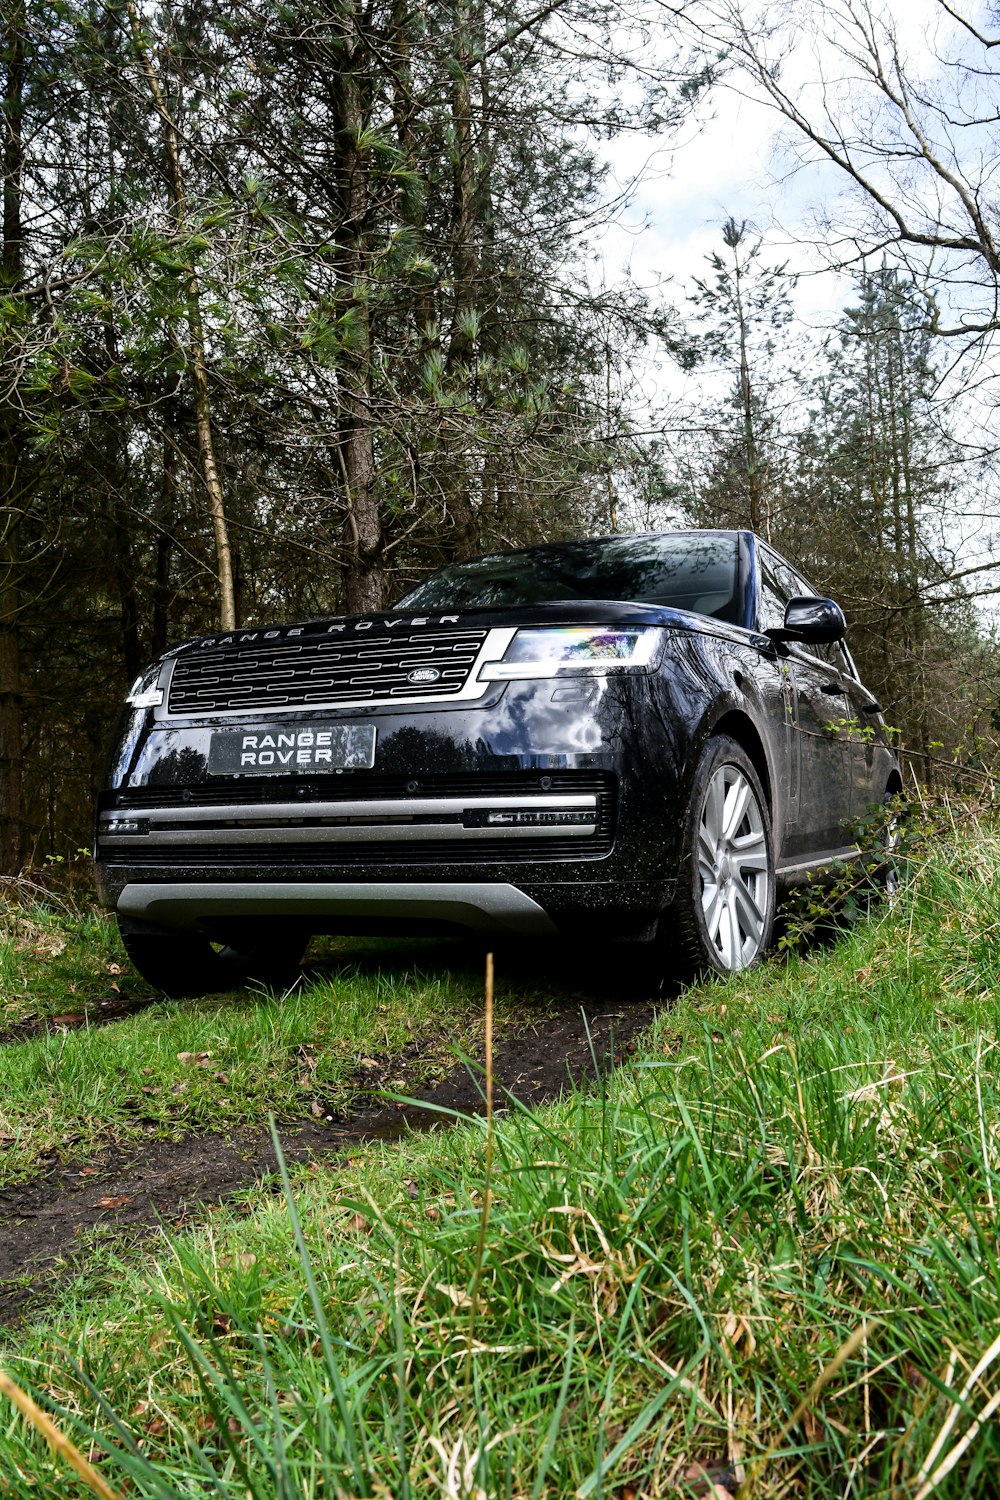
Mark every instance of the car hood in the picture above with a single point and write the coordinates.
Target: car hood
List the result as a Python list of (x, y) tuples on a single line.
[(560, 612)]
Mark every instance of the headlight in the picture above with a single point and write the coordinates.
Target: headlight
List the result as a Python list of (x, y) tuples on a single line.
[(144, 692), (563, 650)]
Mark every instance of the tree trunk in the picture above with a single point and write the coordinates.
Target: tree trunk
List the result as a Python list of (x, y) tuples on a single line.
[(760, 516), (466, 277), (11, 449), (164, 552), (196, 339), (364, 581)]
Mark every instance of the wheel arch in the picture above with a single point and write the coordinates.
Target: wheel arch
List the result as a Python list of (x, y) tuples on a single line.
[(739, 727)]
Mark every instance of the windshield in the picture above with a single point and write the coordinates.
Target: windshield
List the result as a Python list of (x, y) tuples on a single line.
[(695, 571)]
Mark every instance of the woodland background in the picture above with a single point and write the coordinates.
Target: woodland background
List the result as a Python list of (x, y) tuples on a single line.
[(301, 300)]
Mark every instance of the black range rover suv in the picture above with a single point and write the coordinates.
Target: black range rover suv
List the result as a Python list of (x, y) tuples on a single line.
[(635, 738)]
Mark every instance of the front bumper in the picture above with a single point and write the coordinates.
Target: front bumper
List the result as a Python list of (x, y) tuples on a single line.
[(526, 814)]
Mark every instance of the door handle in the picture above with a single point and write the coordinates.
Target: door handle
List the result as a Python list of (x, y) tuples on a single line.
[(833, 690)]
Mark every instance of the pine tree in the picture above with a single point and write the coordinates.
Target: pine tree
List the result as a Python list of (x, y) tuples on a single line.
[(744, 311)]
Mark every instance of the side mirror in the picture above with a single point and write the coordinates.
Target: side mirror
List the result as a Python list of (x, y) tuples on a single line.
[(812, 620)]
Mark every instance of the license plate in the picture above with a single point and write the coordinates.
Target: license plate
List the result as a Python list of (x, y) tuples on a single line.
[(277, 750)]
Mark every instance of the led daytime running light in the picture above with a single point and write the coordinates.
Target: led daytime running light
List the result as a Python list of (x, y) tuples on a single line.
[(574, 650)]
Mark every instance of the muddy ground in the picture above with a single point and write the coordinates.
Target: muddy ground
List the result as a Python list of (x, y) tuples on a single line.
[(132, 1188)]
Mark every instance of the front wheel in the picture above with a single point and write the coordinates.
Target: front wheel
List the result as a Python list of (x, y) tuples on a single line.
[(723, 913), (185, 964), (884, 856)]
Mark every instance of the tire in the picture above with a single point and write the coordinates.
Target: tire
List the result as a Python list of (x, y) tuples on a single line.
[(723, 914), (885, 873), (185, 965)]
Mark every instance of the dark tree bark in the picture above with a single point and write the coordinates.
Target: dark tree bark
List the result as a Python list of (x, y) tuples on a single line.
[(11, 448), (364, 580), (196, 336)]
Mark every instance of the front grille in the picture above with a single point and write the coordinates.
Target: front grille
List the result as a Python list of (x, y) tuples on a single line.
[(328, 670), (286, 861)]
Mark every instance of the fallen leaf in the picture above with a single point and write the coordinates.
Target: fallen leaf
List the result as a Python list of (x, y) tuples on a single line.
[(196, 1059), (455, 1295), (88, 1171), (113, 1202), (242, 1260), (811, 1427), (716, 1481), (43, 944), (316, 1110)]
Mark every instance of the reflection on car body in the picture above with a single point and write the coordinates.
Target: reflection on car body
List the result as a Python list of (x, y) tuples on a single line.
[(638, 739)]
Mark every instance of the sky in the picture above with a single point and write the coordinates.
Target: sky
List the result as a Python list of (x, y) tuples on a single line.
[(734, 160)]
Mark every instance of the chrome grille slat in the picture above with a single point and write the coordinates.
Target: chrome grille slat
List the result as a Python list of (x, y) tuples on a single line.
[(368, 786), (399, 809)]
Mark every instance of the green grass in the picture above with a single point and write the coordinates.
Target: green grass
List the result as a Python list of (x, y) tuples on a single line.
[(369, 1018), (56, 960), (802, 1166)]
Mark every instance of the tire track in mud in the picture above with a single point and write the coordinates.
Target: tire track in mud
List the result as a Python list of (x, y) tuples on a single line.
[(132, 1188), (99, 1013)]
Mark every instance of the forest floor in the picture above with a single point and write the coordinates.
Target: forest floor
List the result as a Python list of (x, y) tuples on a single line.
[(749, 1245)]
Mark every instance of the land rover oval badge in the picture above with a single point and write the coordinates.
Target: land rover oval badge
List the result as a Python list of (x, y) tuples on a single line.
[(423, 674)]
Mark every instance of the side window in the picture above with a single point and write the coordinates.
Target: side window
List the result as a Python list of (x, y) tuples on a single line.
[(842, 661), (827, 654), (773, 597)]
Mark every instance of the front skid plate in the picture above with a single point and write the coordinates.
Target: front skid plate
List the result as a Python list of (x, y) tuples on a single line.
[(480, 906)]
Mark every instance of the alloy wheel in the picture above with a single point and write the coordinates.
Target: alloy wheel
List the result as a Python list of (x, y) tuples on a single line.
[(734, 868)]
